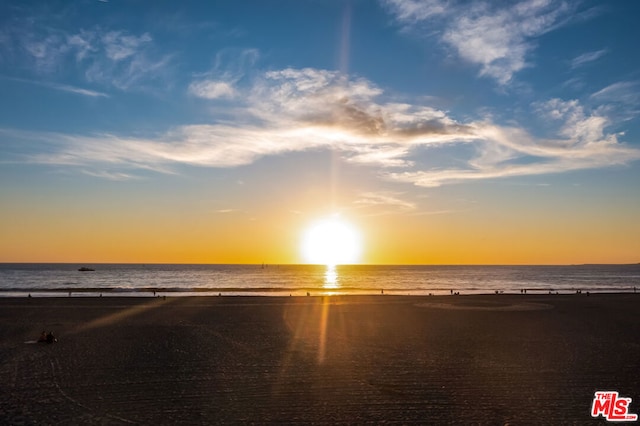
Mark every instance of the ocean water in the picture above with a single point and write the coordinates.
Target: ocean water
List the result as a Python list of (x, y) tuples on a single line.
[(42, 280)]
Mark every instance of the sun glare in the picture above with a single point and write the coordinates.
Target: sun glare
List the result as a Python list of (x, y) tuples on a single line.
[(331, 242)]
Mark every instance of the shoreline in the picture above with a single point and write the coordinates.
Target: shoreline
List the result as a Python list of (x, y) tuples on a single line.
[(508, 358), (278, 292)]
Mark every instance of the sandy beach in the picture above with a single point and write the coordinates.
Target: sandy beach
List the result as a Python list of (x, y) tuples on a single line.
[(495, 359)]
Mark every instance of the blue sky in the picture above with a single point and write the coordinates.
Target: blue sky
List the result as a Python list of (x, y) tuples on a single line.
[(394, 102)]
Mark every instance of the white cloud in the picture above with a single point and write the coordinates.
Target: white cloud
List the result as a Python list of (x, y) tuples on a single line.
[(113, 58), (46, 53), (110, 175), (288, 110), (582, 142), (498, 39), (119, 46), (61, 87), (211, 89), (384, 199), (627, 92), (82, 43), (585, 58), (78, 90), (437, 178), (126, 62), (295, 110), (413, 11), (231, 66)]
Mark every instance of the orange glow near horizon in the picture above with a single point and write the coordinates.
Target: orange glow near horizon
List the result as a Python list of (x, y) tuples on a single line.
[(499, 233)]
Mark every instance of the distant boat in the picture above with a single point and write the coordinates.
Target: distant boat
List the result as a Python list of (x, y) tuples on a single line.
[(83, 269)]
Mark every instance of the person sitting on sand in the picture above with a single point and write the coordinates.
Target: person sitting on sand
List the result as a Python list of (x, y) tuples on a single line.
[(51, 338), (43, 337)]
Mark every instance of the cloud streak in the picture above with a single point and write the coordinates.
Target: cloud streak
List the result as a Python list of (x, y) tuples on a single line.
[(296, 110), (581, 143), (389, 200), (61, 87), (625, 92), (588, 57)]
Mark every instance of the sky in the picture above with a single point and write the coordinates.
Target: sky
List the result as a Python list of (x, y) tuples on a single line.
[(442, 132)]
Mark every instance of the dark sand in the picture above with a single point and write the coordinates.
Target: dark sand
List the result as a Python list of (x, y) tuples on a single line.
[(517, 359)]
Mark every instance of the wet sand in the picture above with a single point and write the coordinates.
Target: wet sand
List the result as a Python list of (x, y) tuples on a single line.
[(495, 359)]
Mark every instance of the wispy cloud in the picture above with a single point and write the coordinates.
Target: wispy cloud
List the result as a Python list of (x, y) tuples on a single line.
[(384, 199), (231, 66), (581, 143), (294, 110), (585, 58), (60, 87), (78, 90), (212, 89), (620, 100), (416, 11), (119, 45), (110, 175), (126, 61), (45, 52), (627, 92), (118, 59), (498, 37)]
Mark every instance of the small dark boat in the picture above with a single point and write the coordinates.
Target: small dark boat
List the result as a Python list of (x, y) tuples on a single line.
[(83, 269)]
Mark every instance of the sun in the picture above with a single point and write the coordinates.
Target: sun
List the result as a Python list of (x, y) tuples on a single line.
[(331, 241)]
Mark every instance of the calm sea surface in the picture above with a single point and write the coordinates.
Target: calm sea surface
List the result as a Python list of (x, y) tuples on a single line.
[(278, 280)]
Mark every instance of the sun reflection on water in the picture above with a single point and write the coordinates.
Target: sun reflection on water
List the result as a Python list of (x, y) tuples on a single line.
[(331, 277)]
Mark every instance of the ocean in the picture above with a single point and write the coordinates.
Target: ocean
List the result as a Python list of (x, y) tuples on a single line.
[(55, 279)]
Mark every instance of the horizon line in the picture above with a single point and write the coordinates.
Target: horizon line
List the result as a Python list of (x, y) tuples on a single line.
[(265, 264)]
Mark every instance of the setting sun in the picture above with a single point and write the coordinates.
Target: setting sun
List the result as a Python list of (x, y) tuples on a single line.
[(331, 242)]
